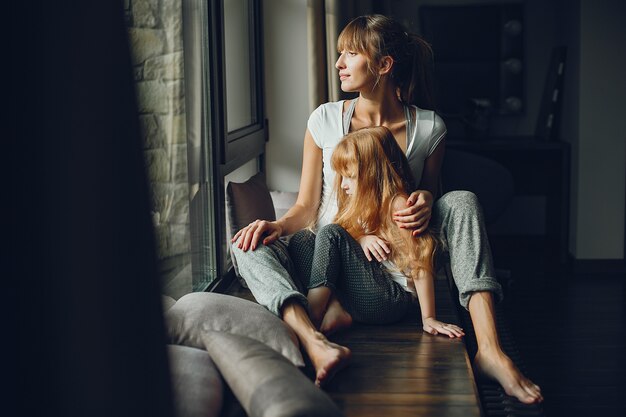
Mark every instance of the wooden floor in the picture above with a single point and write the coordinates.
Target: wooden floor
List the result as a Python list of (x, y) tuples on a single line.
[(398, 370), (572, 336)]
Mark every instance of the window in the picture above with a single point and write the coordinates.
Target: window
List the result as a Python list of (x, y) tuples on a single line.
[(243, 77), (239, 128), (197, 68)]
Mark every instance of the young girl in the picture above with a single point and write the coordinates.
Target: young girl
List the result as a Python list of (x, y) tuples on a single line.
[(372, 182)]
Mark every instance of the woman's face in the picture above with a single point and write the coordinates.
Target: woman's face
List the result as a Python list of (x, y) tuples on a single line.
[(353, 72)]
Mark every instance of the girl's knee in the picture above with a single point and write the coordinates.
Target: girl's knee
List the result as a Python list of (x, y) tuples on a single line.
[(331, 229), (301, 239)]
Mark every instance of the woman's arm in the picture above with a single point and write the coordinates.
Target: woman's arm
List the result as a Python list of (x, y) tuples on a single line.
[(432, 169), (416, 213), (301, 214), (310, 192), (423, 283)]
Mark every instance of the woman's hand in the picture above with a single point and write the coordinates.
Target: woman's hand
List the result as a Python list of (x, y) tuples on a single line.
[(417, 215), (433, 326), (250, 235), (374, 246)]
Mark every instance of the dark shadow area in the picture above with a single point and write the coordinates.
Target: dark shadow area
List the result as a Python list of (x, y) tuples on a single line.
[(86, 309)]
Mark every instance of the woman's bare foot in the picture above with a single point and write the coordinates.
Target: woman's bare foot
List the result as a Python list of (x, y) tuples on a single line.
[(328, 358), (498, 366), (335, 319)]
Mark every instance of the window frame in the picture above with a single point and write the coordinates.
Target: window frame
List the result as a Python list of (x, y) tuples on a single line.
[(232, 149)]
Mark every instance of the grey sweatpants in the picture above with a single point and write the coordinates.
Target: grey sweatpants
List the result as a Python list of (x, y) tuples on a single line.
[(271, 275)]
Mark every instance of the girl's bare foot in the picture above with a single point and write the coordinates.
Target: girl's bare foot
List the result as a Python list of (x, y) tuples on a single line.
[(498, 366), (335, 319), (328, 358), (318, 299)]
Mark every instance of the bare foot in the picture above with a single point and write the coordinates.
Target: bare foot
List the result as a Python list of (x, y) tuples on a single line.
[(335, 319), (500, 367), (328, 358)]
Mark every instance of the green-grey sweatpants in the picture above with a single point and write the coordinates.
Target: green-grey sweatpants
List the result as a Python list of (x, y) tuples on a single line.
[(273, 278)]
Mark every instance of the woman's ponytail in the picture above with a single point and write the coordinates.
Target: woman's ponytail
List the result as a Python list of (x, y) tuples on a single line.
[(418, 88)]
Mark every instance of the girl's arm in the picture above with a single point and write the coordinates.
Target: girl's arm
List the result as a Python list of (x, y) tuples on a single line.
[(416, 212), (374, 247), (425, 287), (301, 214)]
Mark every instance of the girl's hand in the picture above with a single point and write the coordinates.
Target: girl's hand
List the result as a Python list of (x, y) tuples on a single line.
[(434, 326), (417, 215), (250, 235), (374, 246)]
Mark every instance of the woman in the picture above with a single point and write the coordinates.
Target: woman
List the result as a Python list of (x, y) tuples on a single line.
[(390, 70), (373, 180)]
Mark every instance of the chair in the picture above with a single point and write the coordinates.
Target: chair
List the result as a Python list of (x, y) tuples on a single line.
[(489, 180)]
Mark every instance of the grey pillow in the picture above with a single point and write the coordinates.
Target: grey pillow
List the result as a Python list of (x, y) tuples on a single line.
[(196, 383), (283, 201), (197, 313), (167, 302), (247, 201), (265, 383)]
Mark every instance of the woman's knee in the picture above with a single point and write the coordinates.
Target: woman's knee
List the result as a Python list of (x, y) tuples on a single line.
[(460, 202), (235, 250), (460, 198), (241, 255)]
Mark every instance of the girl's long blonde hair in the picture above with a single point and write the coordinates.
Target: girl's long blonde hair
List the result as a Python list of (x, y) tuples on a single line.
[(373, 157)]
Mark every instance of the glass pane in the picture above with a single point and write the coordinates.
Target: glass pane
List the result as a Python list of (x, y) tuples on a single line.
[(239, 97), (199, 147), (156, 38)]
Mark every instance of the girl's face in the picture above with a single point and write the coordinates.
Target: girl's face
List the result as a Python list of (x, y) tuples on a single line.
[(349, 184), (353, 72)]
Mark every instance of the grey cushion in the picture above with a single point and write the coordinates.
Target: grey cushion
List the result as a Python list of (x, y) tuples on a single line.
[(196, 313), (283, 201), (265, 383), (167, 302), (196, 383), (247, 201)]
